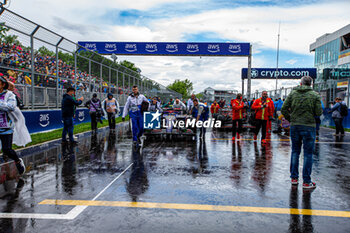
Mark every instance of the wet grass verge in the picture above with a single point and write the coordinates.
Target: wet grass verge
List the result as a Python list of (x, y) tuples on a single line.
[(38, 138), (333, 127)]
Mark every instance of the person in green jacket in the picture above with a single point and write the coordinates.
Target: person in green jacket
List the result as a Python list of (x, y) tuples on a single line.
[(300, 109)]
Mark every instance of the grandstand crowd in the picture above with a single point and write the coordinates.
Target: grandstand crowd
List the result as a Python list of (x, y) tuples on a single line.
[(15, 65)]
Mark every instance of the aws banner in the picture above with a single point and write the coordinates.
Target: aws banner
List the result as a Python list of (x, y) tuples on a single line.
[(44, 120), (281, 73), (168, 49)]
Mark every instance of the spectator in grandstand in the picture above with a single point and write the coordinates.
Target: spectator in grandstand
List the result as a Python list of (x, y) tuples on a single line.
[(8, 130), (133, 107), (111, 110), (338, 116), (237, 116), (263, 111), (200, 111), (300, 109), (68, 111), (95, 111), (154, 106)]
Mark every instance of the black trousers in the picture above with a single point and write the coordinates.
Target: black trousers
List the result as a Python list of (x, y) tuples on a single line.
[(6, 142), (261, 124), (111, 120), (234, 127), (93, 116), (339, 128)]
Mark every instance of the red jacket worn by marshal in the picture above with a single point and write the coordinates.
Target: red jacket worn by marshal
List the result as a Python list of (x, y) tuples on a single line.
[(214, 108), (237, 109), (260, 112)]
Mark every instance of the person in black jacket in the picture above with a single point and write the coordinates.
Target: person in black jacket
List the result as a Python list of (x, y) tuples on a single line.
[(68, 112)]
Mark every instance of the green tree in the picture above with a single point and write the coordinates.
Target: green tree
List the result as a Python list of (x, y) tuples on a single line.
[(45, 52), (199, 95), (11, 39), (129, 65), (66, 57), (184, 87), (3, 32)]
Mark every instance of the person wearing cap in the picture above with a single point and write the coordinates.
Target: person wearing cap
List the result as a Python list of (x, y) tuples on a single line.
[(94, 105), (111, 109), (133, 107), (68, 111), (7, 128)]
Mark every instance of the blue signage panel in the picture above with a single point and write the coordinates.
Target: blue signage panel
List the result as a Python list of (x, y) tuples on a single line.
[(168, 49), (282, 73), (43, 120)]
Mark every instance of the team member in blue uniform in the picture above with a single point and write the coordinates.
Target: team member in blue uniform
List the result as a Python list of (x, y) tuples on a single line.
[(133, 107), (200, 111)]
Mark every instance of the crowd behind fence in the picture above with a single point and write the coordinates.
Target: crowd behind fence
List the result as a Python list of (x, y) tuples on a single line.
[(42, 64)]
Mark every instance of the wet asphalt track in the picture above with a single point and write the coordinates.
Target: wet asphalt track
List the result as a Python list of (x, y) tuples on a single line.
[(219, 186)]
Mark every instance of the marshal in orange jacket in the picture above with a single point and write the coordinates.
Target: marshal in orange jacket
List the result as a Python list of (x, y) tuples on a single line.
[(237, 109), (263, 113), (214, 108)]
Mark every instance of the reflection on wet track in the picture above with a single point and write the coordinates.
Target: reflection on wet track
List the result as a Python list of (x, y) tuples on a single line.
[(209, 185)]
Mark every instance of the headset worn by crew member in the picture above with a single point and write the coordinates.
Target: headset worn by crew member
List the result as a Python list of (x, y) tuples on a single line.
[(135, 105)]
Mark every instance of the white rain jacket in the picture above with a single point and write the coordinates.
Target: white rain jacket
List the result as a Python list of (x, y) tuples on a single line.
[(21, 135)]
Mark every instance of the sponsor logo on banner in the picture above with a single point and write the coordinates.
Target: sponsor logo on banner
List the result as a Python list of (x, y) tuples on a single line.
[(234, 48), (213, 48), (109, 47), (44, 120), (192, 48), (131, 48), (254, 73), (91, 46), (283, 73), (151, 120), (151, 48), (81, 116), (171, 48)]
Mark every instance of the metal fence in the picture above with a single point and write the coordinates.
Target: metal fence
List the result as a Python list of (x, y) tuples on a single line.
[(328, 91), (41, 79), (273, 94)]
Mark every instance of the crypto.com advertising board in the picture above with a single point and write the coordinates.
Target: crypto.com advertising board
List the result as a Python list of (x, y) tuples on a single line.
[(281, 73)]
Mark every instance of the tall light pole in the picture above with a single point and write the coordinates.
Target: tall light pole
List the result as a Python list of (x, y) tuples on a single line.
[(278, 52)]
